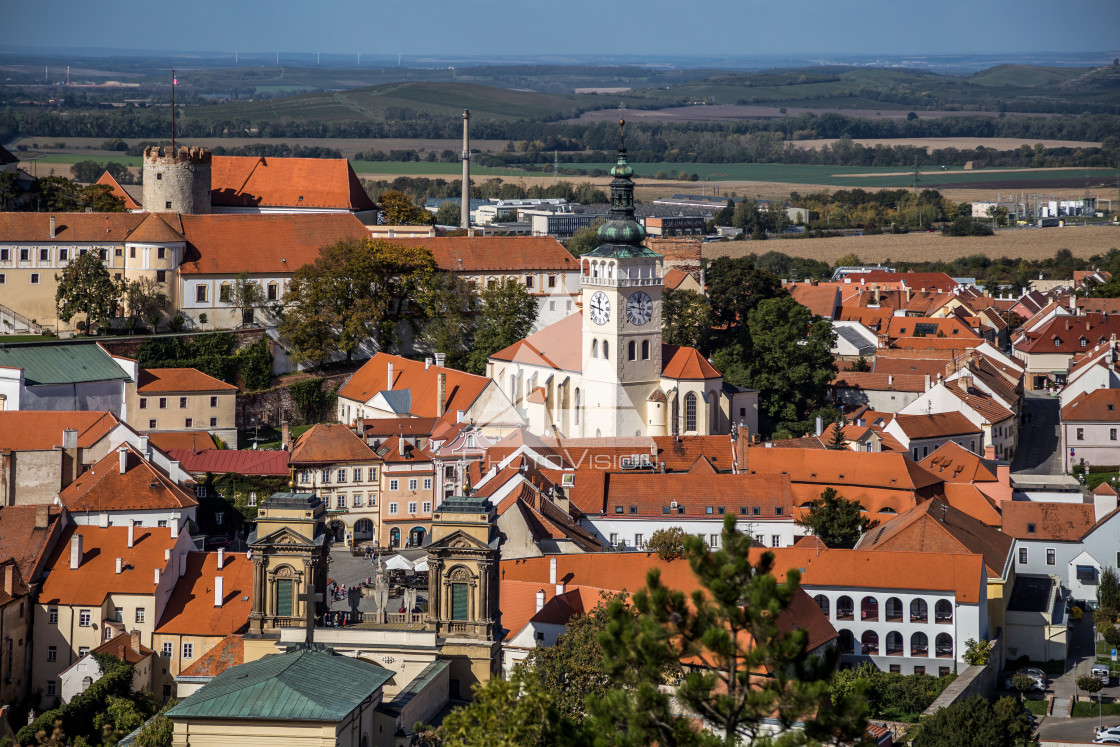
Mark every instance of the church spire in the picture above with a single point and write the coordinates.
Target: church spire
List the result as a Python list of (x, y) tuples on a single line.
[(621, 235)]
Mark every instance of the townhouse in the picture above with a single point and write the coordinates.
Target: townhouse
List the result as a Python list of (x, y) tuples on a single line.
[(1090, 429), (346, 474), (922, 434), (1047, 349), (182, 399)]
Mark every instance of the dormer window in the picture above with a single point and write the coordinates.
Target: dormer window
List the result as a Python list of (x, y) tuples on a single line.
[(1057, 342), (1030, 528), (1084, 342)]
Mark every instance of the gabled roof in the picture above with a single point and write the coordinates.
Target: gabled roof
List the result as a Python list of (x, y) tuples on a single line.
[(118, 191), (887, 470), (179, 380), (940, 328), (908, 366), (142, 487), (331, 442), (230, 652), (1064, 334), (190, 610), (35, 430), (685, 364), (1094, 406), (503, 254), (61, 363), (420, 380), (6, 156), (935, 526), (21, 540), (822, 300), (120, 647), (953, 463), (96, 576), (185, 440), (155, 230), (985, 405), (1061, 522), (674, 277), (935, 425), (967, 497), (76, 228), (699, 492), (297, 686), (19, 586), (240, 461), (556, 346), (276, 244), (867, 381), (251, 181), (913, 280)]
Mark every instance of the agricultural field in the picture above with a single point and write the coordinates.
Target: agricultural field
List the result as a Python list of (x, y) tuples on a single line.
[(1022, 243), (961, 143), (349, 147)]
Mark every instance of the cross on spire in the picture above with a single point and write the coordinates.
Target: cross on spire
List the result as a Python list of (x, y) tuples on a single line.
[(311, 600)]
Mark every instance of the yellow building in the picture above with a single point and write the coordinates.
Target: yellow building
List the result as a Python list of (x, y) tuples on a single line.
[(181, 399)]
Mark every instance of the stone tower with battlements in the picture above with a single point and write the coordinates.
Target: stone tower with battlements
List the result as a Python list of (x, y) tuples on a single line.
[(176, 181)]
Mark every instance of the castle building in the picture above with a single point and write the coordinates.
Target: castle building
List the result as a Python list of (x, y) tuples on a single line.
[(604, 371)]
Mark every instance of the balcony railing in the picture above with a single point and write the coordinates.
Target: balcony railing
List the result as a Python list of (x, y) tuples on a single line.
[(620, 282)]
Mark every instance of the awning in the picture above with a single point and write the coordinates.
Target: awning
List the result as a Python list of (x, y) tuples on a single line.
[(398, 563)]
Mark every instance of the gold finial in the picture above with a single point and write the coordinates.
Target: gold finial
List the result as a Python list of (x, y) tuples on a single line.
[(622, 134)]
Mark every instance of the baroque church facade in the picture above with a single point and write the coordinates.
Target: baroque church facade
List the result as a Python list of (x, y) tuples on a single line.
[(604, 370)]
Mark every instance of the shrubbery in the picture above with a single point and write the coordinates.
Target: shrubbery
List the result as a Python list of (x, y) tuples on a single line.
[(896, 697), (213, 354)]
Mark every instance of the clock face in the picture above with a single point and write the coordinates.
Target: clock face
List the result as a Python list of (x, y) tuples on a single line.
[(639, 308), (600, 307)]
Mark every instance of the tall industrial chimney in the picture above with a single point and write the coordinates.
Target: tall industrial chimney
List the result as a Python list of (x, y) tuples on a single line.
[(465, 208)]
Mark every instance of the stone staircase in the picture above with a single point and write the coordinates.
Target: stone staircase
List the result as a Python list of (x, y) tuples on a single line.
[(14, 323), (1061, 706)]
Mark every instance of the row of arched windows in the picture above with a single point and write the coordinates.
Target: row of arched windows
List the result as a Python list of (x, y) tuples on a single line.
[(895, 645), (606, 349), (869, 609), (632, 350)]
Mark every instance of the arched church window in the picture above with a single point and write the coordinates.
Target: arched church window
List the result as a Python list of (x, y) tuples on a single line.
[(690, 411), (594, 348), (606, 349), (632, 350), (645, 350)]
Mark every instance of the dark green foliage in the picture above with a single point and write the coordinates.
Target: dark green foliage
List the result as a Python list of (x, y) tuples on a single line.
[(735, 288), (85, 287), (450, 306), (837, 521), (254, 363), (312, 401), (892, 696), (836, 440), (584, 240), (975, 722), (966, 226), (213, 354), (231, 493), (667, 544), (1111, 636), (686, 318), (507, 315), (860, 365), (1108, 591)]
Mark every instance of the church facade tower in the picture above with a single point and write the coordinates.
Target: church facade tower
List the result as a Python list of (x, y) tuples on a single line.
[(176, 181), (621, 283)]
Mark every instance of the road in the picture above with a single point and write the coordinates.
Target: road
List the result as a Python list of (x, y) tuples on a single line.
[(1039, 449)]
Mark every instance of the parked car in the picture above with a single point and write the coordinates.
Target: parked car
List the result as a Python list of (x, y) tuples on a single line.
[(1037, 675), (1107, 740), (213, 543), (1108, 732), (1102, 673)]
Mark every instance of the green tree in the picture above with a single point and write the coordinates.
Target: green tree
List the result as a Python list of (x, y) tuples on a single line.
[(85, 287), (735, 288), (507, 315), (836, 440), (726, 215), (1108, 590), (504, 713), (144, 300), (750, 668), (449, 213), (450, 306), (1022, 683), (861, 365), (974, 722), (10, 191), (355, 290), (1089, 684), (246, 295), (837, 521), (584, 240), (667, 543), (120, 717), (398, 209), (977, 653), (686, 318)]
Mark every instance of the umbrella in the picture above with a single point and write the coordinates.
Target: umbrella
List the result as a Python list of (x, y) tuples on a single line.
[(398, 563), (422, 566)]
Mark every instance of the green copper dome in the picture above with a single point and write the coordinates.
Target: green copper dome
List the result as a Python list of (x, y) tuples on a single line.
[(621, 235)]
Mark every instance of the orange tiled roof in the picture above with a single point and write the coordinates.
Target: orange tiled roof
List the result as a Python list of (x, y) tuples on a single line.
[(189, 440), (1095, 406), (884, 470), (880, 381), (79, 228), (916, 366), (497, 253), (266, 244), (19, 586), (1062, 522), (935, 425), (330, 443), (958, 345), (191, 610), (556, 346), (422, 382), (685, 364), (980, 401), (118, 191), (251, 181), (239, 461), (141, 487), (955, 464), (822, 299), (230, 652), (120, 646), (1065, 334), (913, 280), (155, 230), (698, 492), (96, 577), (968, 498), (21, 541), (674, 277), (179, 380), (952, 327), (36, 430)]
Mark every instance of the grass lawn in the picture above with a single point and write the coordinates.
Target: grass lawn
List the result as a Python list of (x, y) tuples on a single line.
[(4, 339), (269, 436), (1085, 710), (1037, 707)]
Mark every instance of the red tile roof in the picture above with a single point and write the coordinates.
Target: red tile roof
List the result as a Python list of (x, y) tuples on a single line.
[(185, 440), (36, 430), (957, 344), (78, 228), (674, 277), (497, 253), (230, 652), (955, 464), (936, 425), (913, 280), (191, 610), (179, 380), (968, 498), (422, 382), (96, 577), (685, 364), (142, 487), (21, 541), (118, 191), (556, 346), (1065, 334), (19, 586), (330, 443), (1095, 406), (940, 328), (266, 244), (120, 646), (884, 364), (155, 230), (883, 382), (699, 492), (884, 470), (822, 299), (240, 461), (1062, 522), (250, 181)]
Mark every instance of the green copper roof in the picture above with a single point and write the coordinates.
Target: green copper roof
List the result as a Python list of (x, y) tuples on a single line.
[(305, 685), (621, 235), (465, 504), (57, 363)]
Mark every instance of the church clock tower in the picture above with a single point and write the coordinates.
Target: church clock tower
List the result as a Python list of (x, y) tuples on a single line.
[(621, 282)]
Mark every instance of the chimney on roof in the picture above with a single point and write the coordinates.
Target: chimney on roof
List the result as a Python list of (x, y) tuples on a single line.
[(134, 640), (103, 520), (218, 592), (75, 551), (182, 564), (122, 454), (52, 228), (427, 363), (990, 452), (69, 438), (174, 526), (120, 566), (145, 447), (440, 359), (131, 532), (389, 380), (552, 571), (441, 393), (42, 517), (221, 558), (285, 436), (820, 425), (400, 445), (927, 383), (890, 380), (156, 576), (166, 554), (10, 579), (540, 599)]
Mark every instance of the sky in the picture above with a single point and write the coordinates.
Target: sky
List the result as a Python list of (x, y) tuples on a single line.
[(652, 28)]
